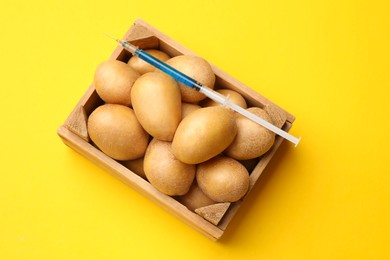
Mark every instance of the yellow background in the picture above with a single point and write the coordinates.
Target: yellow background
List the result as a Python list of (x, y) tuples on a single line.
[(326, 62)]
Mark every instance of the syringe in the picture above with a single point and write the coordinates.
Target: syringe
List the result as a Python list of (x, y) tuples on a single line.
[(192, 83)]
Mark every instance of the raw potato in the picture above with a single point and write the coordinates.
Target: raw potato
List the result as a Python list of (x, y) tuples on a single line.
[(165, 172), (195, 198), (157, 104), (113, 81), (187, 108), (223, 179), (143, 67), (252, 140), (117, 132), (204, 134), (196, 68), (234, 97), (136, 166)]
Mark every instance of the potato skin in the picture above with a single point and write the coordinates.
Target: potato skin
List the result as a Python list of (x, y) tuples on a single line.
[(204, 134), (142, 66), (117, 132), (113, 80), (196, 68), (157, 104), (136, 166), (165, 172), (252, 140), (187, 108), (223, 179), (195, 198)]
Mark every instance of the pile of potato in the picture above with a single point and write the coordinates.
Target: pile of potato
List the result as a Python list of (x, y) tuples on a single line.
[(184, 144)]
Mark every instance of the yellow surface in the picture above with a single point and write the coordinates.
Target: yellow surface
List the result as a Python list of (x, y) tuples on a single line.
[(327, 62)]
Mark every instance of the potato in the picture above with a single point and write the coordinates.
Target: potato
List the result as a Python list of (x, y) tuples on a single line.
[(204, 134), (113, 81), (195, 198), (187, 108), (157, 104), (117, 132), (252, 140), (196, 68), (223, 179), (142, 66), (165, 172), (233, 96), (136, 166)]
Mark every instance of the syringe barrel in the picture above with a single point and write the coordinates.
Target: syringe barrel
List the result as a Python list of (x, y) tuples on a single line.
[(214, 95), (174, 73)]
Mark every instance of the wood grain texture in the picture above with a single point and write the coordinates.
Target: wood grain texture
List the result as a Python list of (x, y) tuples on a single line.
[(77, 123), (277, 115), (213, 213)]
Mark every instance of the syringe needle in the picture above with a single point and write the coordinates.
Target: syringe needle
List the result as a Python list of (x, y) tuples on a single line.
[(109, 36)]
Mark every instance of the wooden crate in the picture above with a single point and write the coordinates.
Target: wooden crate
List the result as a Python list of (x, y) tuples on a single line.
[(74, 132)]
